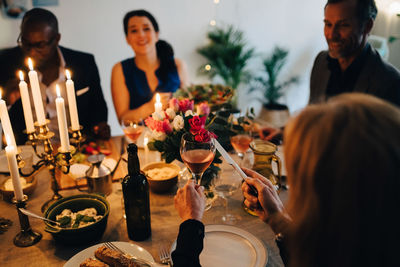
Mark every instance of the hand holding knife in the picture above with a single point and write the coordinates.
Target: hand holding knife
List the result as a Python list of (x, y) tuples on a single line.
[(228, 159)]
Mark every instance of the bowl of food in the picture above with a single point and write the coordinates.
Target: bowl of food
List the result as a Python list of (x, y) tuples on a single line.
[(82, 218), (162, 177), (7, 189)]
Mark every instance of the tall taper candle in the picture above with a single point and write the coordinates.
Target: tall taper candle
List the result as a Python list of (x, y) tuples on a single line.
[(146, 149), (11, 152), (158, 104), (73, 110), (5, 122), (26, 104), (36, 93), (62, 121)]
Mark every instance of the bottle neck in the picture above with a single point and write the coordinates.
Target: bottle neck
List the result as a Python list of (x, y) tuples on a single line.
[(133, 164)]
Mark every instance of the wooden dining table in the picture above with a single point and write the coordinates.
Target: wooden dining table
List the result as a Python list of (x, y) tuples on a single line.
[(164, 220)]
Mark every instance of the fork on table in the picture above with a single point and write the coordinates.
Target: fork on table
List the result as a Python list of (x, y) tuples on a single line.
[(165, 256), (142, 262)]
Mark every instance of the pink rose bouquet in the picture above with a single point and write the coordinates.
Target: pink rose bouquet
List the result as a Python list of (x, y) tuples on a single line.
[(180, 117)]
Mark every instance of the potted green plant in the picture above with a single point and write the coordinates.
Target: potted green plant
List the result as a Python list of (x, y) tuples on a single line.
[(272, 89), (227, 56)]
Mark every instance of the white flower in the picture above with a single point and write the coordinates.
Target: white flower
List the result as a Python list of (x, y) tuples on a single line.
[(178, 123), (170, 113), (158, 116), (188, 113), (160, 136)]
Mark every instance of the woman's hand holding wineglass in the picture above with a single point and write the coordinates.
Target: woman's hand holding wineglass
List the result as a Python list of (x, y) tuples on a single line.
[(190, 201)]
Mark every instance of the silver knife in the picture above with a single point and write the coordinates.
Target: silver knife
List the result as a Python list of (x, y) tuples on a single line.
[(228, 159)]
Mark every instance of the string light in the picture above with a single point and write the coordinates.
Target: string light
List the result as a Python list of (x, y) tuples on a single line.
[(207, 67), (213, 21)]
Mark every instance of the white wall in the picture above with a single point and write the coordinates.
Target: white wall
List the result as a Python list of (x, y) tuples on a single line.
[(95, 26)]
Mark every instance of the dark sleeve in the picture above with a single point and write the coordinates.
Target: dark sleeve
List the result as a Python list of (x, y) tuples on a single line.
[(189, 244), (17, 120), (393, 92), (315, 91), (282, 245)]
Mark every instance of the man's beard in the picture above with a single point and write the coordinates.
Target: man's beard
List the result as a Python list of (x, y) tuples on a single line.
[(339, 49)]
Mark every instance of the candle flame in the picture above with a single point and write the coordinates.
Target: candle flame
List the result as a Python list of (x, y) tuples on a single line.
[(58, 91), (68, 74), (30, 63), (158, 98), (21, 75)]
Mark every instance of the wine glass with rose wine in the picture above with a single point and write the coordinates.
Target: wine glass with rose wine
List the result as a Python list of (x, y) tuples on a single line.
[(197, 156), (132, 128), (241, 143)]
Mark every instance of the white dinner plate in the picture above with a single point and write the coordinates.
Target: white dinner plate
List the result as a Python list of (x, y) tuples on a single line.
[(129, 248), (226, 245)]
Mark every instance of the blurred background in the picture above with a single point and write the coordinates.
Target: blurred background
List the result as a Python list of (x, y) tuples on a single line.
[(95, 26)]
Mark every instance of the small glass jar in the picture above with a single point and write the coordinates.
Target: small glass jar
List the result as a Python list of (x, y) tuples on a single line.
[(264, 155)]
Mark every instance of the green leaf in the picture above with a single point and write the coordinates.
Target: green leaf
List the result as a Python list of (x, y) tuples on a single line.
[(227, 54), (268, 83)]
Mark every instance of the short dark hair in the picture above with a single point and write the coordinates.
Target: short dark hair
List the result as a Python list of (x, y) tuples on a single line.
[(140, 13), (40, 15), (366, 9)]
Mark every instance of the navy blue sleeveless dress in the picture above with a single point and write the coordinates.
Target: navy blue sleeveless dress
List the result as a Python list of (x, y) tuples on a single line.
[(136, 81)]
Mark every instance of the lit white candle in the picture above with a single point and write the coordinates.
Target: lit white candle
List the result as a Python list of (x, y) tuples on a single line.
[(5, 122), (73, 110), (11, 152), (62, 121), (158, 104), (26, 104), (146, 149), (36, 93)]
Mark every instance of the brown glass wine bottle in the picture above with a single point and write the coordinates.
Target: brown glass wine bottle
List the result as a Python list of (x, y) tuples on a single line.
[(136, 198)]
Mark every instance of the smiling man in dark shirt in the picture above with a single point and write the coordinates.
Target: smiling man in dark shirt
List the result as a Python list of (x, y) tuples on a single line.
[(351, 64)]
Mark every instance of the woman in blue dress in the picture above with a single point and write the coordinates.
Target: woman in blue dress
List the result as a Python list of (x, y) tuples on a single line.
[(136, 80)]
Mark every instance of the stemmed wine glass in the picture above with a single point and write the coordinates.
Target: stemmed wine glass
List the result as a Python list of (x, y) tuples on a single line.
[(225, 186), (132, 128), (197, 156), (241, 143)]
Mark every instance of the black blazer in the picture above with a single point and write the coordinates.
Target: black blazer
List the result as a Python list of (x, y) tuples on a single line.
[(92, 107), (377, 78)]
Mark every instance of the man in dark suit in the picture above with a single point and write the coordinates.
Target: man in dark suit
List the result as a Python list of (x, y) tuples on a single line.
[(350, 64), (39, 39)]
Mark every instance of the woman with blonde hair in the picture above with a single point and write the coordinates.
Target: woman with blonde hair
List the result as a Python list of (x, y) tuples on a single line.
[(343, 167)]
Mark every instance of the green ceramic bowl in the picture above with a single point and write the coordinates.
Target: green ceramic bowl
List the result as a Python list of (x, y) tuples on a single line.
[(76, 203)]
